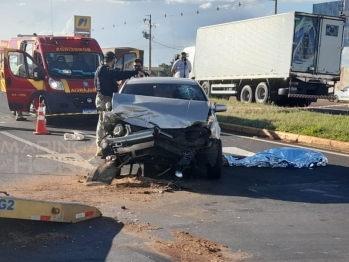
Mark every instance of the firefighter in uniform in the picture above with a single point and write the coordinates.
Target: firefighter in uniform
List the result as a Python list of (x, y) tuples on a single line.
[(105, 84)]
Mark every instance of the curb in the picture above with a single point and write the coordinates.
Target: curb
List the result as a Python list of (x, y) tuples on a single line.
[(334, 145)]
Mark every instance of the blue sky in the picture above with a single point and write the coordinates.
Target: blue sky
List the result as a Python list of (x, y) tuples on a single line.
[(120, 23)]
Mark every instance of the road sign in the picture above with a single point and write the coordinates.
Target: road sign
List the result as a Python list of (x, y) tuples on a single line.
[(82, 25)]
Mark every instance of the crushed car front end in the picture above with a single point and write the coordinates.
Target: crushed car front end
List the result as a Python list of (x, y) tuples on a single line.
[(172, 133)]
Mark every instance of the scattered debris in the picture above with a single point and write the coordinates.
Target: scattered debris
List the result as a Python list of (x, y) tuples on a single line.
[(193, 248), (74, 137), (133, 226)]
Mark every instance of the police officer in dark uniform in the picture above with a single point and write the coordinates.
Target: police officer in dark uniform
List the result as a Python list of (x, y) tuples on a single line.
[(105, 81)]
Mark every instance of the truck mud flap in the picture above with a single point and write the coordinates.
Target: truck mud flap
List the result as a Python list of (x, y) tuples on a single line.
[(50, 211)]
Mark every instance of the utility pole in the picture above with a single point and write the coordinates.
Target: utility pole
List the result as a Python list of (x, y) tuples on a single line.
[(276, 6), (148, 36)]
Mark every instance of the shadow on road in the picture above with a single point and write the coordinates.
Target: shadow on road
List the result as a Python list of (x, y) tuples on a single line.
[(23, 240), (323, 185)]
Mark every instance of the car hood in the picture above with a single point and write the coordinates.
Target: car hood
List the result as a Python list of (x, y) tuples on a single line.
[(147, 111)]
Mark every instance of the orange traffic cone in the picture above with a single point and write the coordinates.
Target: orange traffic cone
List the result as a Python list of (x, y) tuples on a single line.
[(41, 122)]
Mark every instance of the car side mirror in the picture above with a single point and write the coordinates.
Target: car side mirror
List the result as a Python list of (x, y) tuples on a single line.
[(38, 74), (221, 108)]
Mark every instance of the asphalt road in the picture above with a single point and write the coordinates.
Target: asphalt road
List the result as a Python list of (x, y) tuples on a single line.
[(325, 106), (269, 214)]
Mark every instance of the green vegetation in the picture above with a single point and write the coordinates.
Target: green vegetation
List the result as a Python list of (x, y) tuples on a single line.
[(292, 120)]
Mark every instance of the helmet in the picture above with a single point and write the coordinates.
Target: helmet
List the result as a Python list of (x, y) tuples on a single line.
[(109, 56)]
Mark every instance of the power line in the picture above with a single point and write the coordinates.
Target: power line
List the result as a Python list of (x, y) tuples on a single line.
[(166, 45), (132, 41), (183, 14)]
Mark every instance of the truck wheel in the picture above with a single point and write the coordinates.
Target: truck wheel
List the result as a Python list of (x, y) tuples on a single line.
[(207, 88), (246, 95), (336, 99), (215, 171), (262, 93)]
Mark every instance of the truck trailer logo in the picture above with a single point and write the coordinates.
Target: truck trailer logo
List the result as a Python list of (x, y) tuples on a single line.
[(332, 30)]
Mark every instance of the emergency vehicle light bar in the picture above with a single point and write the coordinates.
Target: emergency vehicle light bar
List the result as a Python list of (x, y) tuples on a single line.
[(33, 35)]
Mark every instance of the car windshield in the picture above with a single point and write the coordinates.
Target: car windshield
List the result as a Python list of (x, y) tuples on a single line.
[(82, 65), (176, 91)]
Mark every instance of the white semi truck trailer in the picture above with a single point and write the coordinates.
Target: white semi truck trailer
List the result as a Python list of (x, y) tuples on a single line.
[(289, 59)]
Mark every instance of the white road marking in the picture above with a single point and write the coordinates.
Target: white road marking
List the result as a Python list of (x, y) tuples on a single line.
[(285, 144), (29, 143), (235, 151), (70, 159)]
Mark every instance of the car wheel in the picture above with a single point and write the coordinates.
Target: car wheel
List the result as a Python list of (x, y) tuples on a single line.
[(50, 120), (154, 170), (216, 170)]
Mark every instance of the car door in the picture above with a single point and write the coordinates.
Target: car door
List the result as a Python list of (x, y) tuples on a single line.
[(2, 76), (23, 79)]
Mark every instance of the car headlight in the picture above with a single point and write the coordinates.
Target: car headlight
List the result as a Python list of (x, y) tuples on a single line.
[(118, 130), (54, 84)]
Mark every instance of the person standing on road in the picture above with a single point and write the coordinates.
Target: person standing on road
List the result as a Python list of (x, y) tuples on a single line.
[(181, 67), (138, 65), (105, 84)]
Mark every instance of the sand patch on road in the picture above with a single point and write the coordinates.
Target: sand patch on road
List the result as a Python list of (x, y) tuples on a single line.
[(73, 189), (190, 248)]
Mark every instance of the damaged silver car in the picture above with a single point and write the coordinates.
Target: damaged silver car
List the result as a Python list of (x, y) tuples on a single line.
[(167, 124)]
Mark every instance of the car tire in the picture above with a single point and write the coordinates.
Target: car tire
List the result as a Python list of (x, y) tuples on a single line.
[(50, 120), (215, 171), (153, 170)]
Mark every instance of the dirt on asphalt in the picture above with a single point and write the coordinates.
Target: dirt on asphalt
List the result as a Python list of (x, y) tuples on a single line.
[(186, 247)]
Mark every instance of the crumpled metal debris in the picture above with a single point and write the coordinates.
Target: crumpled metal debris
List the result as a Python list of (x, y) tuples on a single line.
[(148, 111), (285, 157), (73, 137)]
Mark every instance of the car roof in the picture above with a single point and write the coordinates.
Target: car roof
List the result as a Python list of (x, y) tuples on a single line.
[(161, 80)]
